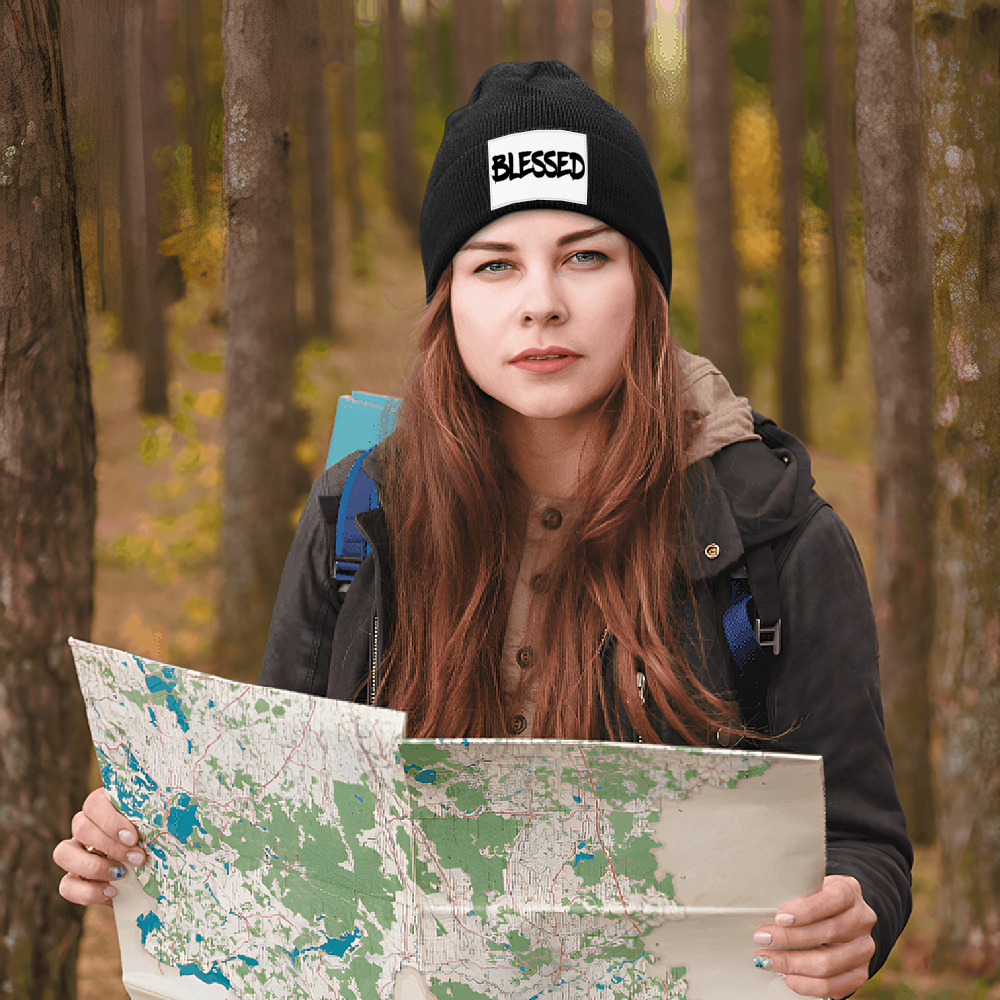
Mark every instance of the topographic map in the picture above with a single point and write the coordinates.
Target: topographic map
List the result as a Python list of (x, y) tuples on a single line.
[(302, 848)]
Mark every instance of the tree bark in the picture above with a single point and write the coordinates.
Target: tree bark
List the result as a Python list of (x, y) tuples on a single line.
[(574, 32), (319, 163), (631, 87), (897, 267), (710, 83), (957, 56), (262, 480), (835, 137), (788, 94), (398, 117), (47, 507)]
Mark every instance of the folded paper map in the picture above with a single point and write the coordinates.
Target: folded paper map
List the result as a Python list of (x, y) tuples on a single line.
[(300, 847)]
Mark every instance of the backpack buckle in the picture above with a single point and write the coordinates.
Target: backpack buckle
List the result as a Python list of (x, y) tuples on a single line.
[(768, 635)]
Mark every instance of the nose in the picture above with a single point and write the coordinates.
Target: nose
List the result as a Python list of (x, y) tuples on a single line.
[(543, 303)]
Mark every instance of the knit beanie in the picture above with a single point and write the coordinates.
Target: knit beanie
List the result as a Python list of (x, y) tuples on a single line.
[(536, 135)]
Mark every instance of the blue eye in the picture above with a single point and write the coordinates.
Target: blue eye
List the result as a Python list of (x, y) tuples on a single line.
[(594, 254), (489, 265)]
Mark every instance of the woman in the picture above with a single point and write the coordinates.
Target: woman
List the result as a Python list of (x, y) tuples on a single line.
[(568, 494)]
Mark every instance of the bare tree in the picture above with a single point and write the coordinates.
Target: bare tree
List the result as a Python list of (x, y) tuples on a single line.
[(787, 92), (398, 117), (47, 507), (957, 55), (341, 34), (709, 108), (262, 480), (194, 103), (142, 314), (319, 164), (631, 88), (835, 136), (477, 41), (897, 268), (537, 30), (574, 34)]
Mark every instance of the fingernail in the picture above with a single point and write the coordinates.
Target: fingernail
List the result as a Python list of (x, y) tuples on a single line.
[(127, 837), (135, 858), (762, 937), (110, 891), (116, 871), (785, 919), (780, 975), (762, 961)]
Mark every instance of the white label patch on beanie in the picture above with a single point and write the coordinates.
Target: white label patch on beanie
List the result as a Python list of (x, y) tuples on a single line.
[(541, 165)]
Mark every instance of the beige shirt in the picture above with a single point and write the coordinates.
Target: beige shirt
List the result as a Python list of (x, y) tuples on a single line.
[(725, 419)]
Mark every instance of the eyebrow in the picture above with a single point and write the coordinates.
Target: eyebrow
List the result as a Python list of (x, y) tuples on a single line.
[(583, 234)]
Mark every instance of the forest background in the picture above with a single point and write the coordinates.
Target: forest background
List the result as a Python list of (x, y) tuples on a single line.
[(210, 214)]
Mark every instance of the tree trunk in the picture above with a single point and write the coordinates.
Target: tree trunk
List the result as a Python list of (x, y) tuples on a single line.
[(710, 83), (318, 158), (958, 64), (47, 507), (631, 88), (342, 37), (142, 317), (537, 30), (477, 32), (835, 135), (153, 342), (900, 331), (574, 31), (398, 117), (194, 104), (432, 49), (262, 480), (788, 94)]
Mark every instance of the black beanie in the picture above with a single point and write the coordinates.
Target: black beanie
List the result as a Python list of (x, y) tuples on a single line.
[(536, 135)]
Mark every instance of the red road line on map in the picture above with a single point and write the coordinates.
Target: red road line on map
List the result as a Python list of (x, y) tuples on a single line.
[(302, 739), (600, 840)]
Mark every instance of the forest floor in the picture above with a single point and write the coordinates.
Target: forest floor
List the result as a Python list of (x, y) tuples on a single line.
[(156, 582)]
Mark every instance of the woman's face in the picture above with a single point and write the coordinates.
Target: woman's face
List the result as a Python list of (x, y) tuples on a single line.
[(543, 304)]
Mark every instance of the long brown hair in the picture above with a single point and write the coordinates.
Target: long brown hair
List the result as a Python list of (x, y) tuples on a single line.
[(455, 517)]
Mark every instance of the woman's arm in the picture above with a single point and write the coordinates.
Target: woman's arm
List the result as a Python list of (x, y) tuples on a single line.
[(825, 694)]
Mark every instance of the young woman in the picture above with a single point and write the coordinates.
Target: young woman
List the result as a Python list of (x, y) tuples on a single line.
[(564, 507)]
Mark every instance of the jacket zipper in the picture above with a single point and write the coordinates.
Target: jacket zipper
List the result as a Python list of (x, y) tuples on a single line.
[(373, 686)]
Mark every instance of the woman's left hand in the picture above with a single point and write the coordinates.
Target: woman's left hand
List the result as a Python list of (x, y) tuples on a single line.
[(832, 927)]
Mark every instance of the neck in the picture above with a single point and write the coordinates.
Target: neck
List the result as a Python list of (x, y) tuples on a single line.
[(550, 456)]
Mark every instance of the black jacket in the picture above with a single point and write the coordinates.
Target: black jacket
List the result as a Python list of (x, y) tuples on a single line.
[(824, 686)]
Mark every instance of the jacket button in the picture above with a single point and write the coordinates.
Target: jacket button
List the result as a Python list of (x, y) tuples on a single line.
[(518, 723), (524, 656), (552, 518), (712, 550), (539, 583)]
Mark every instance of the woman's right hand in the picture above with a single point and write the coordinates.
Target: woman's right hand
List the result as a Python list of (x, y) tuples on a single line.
[(112, 839)]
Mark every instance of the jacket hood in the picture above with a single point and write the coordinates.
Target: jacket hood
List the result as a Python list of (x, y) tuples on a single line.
[(724, 417)]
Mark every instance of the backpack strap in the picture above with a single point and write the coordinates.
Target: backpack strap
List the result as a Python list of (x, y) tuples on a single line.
[(351, 547), (752, 624)]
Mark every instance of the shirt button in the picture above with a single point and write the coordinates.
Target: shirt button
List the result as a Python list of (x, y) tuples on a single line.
[(524, 656), (552, 518), (539, 583), (518, 724)]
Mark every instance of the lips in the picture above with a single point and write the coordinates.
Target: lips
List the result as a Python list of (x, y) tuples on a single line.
[(545, 360)]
